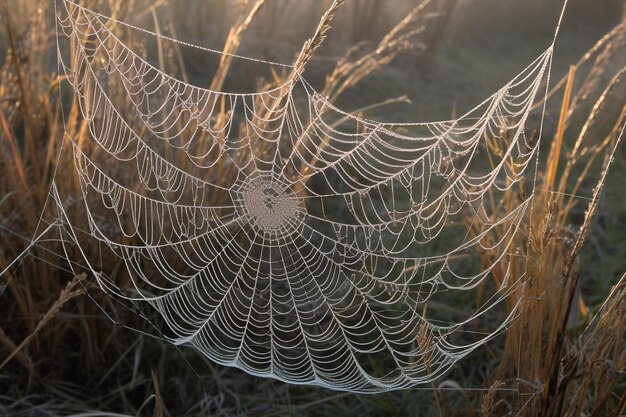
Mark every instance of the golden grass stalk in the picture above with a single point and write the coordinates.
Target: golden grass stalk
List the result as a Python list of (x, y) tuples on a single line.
[(555, 152), (592, 151), (31, 145), (350, 71), (65, 295), (608, 42), (312, 44), (233, 40), (543, 360), (158, 407), (22, 357), (9, 137), (570, 283)]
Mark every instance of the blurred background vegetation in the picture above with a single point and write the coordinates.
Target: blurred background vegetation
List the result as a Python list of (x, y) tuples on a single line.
[(61, 355)]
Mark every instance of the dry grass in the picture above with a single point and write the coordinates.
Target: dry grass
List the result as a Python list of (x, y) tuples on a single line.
[(59, 352)]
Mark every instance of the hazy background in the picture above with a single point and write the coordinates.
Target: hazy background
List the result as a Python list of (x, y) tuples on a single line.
[(470, 49), (472, 46)]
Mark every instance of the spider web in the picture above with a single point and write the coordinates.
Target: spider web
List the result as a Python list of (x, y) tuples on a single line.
[(276, 233)]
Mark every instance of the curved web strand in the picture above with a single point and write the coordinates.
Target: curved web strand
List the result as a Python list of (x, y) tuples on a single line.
[(276, 233), (188, 118)]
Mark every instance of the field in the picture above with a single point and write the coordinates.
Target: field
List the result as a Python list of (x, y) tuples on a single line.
[(68, 348)]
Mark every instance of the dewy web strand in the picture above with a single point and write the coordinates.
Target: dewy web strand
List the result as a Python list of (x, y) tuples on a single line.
[(279, 234)]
